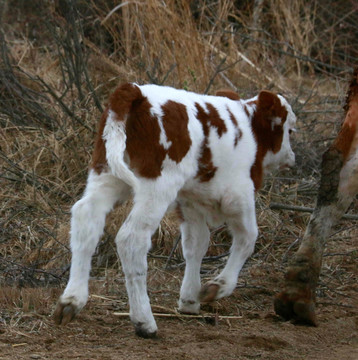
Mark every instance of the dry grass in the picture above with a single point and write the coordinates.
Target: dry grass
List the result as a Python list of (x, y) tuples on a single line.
[(58, 66)]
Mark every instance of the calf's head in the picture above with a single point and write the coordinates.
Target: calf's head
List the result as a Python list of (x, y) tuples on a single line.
[(273, 121)]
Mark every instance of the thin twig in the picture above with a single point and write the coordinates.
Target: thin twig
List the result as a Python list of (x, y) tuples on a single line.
[(279, 206), (218, 70), (172, 252), (341, 254)]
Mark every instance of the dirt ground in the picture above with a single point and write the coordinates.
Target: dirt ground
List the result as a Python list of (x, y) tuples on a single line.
[(243, 326)]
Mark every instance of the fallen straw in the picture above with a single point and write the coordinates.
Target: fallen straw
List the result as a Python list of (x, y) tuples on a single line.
[(171, 313), (186, 316)]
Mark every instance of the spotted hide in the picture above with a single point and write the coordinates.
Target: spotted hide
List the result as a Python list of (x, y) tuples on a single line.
[(167, 148)]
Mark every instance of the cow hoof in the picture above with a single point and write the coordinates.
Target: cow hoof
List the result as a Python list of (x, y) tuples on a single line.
[(64, 313), (301, 310), (142, 332), (209, 292)]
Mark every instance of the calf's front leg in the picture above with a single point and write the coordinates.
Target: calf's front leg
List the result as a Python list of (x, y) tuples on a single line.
[(241, 220), (195, 241)]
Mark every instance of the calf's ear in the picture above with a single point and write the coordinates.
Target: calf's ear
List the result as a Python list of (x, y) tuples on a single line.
[(267, 100), (271, 109)]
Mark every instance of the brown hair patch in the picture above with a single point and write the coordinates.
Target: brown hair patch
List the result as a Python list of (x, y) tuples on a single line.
[(247, 112), (99, 160), (210, 119), (215, 120), (238, 132), (268, 135), (232, 95), (122, 99), (207, 170), (175, 122), (143, 146), (345, 138)]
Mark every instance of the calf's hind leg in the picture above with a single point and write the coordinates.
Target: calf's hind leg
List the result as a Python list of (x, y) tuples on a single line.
[(87, 223), (133, 242)]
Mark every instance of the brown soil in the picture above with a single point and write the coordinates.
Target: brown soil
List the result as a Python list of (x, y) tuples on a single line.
[(28, 332)]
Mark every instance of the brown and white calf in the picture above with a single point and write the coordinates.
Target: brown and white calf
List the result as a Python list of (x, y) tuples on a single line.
[(338, 186), (204, 155)]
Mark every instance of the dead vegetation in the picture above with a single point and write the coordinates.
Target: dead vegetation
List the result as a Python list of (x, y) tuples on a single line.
[(60, 60)]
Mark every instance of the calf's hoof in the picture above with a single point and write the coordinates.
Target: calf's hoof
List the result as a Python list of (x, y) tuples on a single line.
[(143, 332), (64, 313), (191, 307), (209, 292), (292, 306), (216, 289)]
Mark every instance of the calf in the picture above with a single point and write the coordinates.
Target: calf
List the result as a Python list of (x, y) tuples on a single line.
[(338, 186), (204, 155)]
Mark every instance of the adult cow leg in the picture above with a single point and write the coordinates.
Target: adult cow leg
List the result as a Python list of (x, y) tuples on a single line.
[(241, 220), (87, 223), (195, 241), (338, 186)]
